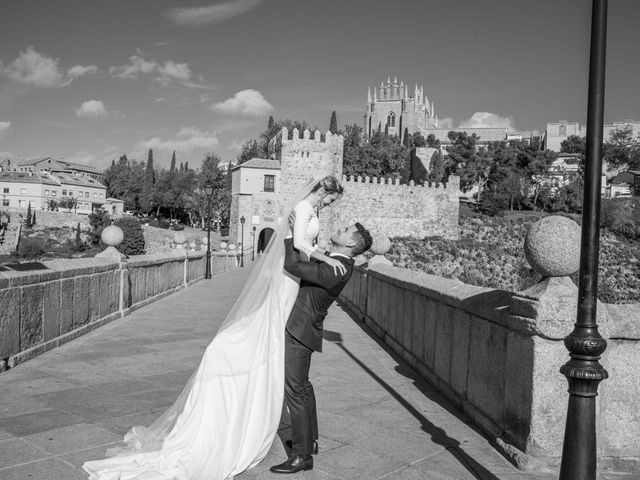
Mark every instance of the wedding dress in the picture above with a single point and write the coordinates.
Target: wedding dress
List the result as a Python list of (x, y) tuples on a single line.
[(227, 416)]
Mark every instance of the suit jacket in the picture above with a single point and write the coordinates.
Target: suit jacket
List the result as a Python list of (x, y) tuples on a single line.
[(319, 287)]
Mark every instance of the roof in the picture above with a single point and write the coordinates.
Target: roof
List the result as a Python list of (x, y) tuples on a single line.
[(71, 179), (496, 134), (26, 177), (79, 166), (262, 163)]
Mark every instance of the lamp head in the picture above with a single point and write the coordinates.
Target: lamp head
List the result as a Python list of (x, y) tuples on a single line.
[(208, 189), (242, 219)]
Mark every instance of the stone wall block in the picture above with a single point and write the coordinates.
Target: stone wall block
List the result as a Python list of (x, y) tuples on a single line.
[(81, 301), (31, 303), (460, 351), (127, 288), (444, 342), (9, 322), (372, 300), (486, 378), (51, 310), (518, 388), (429, 308), (394, 309), (406, 300), (135, 277), (66, 305), (94, 296), (416, 345)]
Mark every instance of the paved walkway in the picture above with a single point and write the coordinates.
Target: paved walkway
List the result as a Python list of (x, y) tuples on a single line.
[(377, 419)]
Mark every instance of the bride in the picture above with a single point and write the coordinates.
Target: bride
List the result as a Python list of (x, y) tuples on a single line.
[(227, 416)]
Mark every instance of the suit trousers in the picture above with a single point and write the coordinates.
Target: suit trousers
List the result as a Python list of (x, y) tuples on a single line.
[(299, 395)]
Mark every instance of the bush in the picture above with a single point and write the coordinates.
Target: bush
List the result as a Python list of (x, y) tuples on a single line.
[(98, 221), (133, 242), (622, 217), (31, 247)]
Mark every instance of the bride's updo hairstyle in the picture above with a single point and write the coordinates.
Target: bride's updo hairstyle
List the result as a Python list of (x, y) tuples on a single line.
[(330, 184)]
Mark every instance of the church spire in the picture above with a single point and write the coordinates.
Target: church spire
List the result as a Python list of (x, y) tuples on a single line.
[(369, 94)]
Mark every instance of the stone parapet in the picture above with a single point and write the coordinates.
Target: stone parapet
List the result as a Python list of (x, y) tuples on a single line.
[(53, 302), (497, 356)]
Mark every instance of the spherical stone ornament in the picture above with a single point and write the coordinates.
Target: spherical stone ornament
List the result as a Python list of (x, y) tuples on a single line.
[(552, 246), (204, 241), (179, 238), (223, 245), (381, 244), (112, 235)]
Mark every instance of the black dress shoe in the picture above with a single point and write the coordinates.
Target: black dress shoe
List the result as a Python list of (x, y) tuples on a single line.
[(294, 464), (289, 444)]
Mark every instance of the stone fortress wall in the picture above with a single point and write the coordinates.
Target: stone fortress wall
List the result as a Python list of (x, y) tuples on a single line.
[(383, 205)]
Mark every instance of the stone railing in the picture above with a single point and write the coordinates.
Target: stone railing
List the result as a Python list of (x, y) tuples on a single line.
[(497, 355), (51, 303)]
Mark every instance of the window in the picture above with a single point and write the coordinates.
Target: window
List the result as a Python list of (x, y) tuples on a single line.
[(64, 192), (54, 193), (71, 193), (86, 194), (5, 202), (391, 120), (46, 193), (5, 190), (269, 183), (563, 130), (23, 190), (95, 194)]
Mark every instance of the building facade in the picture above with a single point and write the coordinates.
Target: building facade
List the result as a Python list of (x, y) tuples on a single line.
[(557, 132), (49, 164)]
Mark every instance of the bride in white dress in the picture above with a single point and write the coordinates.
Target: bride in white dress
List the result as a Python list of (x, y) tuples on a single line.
[(227, 416)]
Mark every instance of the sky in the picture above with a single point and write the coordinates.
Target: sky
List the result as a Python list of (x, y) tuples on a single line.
[(88, 81)]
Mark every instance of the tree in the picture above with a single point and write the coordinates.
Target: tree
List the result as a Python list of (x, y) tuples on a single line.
[(29, 224), (146, 200), (124, 181), (406, 139), (249, 150), (574, 144), (436, 167), (333, 124), (68, 203), (431, 140), (271, 123), (173, 162), (621, 150)]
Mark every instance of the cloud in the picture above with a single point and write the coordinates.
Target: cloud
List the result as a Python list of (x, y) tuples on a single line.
[(446, 122), (245, 102), (173, 71), (186, 140), (138, 66), (163, 73), (92, 109), (4, 127), (208, 15), (487, 120), (35, 69)]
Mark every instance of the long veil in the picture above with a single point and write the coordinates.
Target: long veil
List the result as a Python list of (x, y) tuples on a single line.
[(265, 286)]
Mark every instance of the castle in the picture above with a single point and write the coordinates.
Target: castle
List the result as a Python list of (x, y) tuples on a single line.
[(392, 109), (262, 190)]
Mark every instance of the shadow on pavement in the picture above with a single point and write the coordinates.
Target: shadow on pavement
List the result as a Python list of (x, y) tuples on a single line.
[(438, 435)]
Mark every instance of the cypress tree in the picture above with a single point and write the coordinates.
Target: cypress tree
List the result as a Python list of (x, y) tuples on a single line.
[(406, 141), (29, 215), (386, 129), (186, 167), (147, 187), (181, 167), (33, 219), (271, 123), (173, 162), (333, 124)]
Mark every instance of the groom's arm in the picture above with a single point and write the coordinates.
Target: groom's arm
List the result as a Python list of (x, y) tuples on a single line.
[(319, 273)]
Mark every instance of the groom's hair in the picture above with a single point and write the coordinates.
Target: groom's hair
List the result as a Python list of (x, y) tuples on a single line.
[(363, 240)]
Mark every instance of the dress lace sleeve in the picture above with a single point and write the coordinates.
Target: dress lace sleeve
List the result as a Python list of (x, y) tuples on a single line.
[(301, 238)]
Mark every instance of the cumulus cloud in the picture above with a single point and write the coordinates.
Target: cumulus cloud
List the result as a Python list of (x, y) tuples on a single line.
[(446, 122), (186, 141), (4, 127), (245, 102), (164, 73), (92, 109), (33, 68), (487, 120), (210, 14)]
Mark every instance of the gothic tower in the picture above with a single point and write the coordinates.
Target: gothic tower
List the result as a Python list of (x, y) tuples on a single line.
[(392, 108)]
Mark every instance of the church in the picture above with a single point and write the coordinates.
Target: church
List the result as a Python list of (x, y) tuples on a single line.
[(392, 109)]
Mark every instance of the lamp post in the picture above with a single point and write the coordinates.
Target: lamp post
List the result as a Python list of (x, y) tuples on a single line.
[(253, 243), (208, 190), (242, 219), (585, 345)]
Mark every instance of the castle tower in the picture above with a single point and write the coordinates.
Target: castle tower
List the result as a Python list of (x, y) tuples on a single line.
[(392, 107)]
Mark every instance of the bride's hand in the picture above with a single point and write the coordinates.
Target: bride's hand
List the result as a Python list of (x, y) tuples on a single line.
[(338, 267)]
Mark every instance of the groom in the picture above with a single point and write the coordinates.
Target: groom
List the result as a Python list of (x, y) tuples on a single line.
[(319, 288)]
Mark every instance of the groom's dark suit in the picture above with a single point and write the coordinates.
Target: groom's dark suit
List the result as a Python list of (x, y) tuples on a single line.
[(319, 288)]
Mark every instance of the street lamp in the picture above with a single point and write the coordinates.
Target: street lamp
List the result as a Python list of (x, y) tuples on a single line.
[(208, 190), (242, 219), (253, 243)]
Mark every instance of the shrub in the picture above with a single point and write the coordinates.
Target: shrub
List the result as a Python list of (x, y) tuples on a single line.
[(98, 220), (622, 217), (133, 242), (31, 247)]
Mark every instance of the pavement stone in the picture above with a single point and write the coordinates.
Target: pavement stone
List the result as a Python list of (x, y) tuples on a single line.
[(378, 419)]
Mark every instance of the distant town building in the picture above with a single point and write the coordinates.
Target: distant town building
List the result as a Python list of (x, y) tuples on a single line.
[(48, 164), (557, 132), (19, 188), (625, 184)]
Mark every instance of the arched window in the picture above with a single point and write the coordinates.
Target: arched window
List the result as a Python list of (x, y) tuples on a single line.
[(391, 120)]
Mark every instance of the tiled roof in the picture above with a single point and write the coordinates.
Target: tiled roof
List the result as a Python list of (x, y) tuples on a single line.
[(25, 177), (71, 179), (259, 163)]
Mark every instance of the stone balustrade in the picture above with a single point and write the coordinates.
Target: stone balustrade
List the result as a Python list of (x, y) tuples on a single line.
[(497, 354), (56, 301)]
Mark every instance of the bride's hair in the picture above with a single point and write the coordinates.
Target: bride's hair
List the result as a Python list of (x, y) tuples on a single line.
[(330, 184)]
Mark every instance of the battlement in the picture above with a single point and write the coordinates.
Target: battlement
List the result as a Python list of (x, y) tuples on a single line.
[(454, 182), (293, 137)]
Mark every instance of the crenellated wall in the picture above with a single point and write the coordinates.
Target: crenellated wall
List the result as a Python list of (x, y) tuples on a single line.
[(56, 301), (383, 205)]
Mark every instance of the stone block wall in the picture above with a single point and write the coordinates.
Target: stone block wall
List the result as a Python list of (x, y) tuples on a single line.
[(48, 218), (401, 210), (64, 299), (497, 356)]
